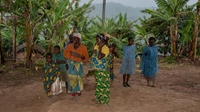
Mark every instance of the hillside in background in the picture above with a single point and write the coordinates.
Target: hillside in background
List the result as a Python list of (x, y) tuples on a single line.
[(113, 9)]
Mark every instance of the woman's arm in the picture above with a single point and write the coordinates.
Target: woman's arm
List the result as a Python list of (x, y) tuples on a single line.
[(67, 52), (100, 54)]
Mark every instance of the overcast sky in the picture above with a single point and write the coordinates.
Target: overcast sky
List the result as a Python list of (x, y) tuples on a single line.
[(134, 3)]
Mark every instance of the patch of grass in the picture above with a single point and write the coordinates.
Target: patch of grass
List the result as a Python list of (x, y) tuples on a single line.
[(168, 59)]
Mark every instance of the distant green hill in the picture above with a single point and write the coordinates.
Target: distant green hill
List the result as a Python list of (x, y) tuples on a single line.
[(113, 9)]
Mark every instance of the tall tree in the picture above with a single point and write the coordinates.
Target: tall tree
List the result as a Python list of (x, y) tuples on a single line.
[(28, 34), (1, 43), (195, 33), (170, 10)]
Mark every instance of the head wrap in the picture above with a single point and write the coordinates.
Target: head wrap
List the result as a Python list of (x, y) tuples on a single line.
[(103, 38), (77, 35)]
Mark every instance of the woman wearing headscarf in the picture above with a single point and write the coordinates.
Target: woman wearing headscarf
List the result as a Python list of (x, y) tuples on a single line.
[(76, 54), (100, 61), (149, 64)]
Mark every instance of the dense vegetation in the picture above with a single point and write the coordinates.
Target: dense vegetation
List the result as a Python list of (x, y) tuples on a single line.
[(45, 23)]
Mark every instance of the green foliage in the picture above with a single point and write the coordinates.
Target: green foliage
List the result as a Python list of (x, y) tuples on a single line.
[(168, 59), (59, 18), (168, 14)]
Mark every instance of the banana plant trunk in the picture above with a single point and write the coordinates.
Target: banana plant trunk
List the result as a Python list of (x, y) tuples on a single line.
[(3, 61), (195, 34), (174, 34), (50, 41), (74, 29), (28, 34), (14, 43), (1, 50)]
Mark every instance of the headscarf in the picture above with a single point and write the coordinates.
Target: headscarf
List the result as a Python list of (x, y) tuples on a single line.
[(77, 35), (103, 38)]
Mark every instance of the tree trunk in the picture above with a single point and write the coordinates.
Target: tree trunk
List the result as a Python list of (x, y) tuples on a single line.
[(173, 34), (3, 61), (74, 29), (28, 42), (14, 43), (176, 38), (195, 34), (50, 42)]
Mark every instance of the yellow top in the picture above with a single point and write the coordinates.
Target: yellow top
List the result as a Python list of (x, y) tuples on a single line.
[(105, 49)]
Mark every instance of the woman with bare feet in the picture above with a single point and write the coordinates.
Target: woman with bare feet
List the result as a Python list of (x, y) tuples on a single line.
[(149, 64), (128, 62)]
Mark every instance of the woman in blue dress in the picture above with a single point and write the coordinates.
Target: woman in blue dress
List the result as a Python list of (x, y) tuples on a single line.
[(128, 62), (149, 64)]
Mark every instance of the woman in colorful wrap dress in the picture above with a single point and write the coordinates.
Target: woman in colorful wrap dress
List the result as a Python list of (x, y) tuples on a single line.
[(128, 62), (149, 64), (76, 54), (52, 82), (101, 63)]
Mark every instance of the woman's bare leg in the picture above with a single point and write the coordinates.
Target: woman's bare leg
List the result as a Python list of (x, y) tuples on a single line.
[(124, 78), (127, 79), (153, 80), (147, 79)]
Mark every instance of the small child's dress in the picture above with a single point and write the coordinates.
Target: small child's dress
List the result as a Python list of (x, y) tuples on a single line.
[(52, 82)]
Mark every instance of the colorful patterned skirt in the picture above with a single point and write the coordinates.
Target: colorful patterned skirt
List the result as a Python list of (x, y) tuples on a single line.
[(75, 81), (102, 93)]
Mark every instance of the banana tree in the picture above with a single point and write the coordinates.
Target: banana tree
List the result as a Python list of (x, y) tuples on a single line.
[(118, 29), (185, 38), (59, 18), (141, 38), (169, 11), (195, 33), (1, 43), (81, 18)]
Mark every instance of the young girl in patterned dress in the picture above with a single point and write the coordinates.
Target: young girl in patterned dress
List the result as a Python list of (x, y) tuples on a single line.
[(52, 82)]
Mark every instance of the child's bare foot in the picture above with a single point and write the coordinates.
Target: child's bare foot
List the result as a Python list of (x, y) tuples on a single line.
[(128, 85), (124, 84)]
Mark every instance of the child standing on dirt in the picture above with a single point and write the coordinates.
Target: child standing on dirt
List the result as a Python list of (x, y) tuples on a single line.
[(128, 62), (113, 54), (52, 82), (60, 61)]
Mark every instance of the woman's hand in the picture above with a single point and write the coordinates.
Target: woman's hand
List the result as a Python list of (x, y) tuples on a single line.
[(60, 61), (94, 51), (77, 55)]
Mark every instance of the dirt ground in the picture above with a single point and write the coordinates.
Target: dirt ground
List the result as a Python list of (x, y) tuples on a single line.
[(177, 90)]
